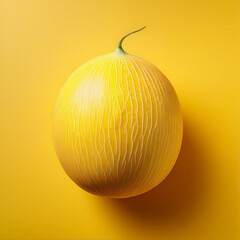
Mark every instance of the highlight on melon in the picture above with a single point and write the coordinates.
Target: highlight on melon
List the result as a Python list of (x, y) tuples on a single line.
[(117, 125)]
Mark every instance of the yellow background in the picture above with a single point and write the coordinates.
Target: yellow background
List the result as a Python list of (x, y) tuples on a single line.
[(195, 43)]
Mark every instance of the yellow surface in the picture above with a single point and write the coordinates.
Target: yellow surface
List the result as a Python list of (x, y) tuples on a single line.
[(196, 45)]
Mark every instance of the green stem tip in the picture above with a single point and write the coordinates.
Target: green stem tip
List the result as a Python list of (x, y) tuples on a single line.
[(121, 40)]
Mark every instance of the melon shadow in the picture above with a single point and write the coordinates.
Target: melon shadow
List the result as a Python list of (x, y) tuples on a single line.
[(179, 194)]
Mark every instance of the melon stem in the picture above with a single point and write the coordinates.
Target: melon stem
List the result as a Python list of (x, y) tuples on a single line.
[(121, 40)]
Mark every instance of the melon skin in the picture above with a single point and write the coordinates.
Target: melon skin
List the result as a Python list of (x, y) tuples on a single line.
[(117, 126)]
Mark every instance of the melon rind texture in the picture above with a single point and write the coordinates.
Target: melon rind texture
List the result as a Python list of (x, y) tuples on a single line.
[(117, 126)]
